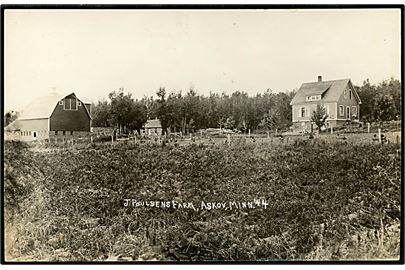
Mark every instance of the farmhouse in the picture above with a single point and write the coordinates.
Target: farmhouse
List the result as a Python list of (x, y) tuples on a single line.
[(153, 127), (339, 98), (52, 116)]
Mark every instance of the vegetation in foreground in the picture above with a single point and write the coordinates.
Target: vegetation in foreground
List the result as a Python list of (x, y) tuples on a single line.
[(326, 202)]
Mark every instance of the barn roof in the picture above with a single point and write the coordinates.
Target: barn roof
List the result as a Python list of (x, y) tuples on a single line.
[(42, 107), (13, 126), (331, 91), (154, 123)]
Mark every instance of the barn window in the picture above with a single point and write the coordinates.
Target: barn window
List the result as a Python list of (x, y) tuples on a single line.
[(70, 104), (61, 102), (73, 104), (341, 110), (79, 103)]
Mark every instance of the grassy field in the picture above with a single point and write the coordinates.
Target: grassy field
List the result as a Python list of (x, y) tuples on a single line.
[(322, 199)]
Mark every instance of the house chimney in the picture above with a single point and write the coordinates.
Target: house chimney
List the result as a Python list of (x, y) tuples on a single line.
[(319, 78)]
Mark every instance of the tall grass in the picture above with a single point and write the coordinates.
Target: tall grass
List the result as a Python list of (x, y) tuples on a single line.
[(327, 201)]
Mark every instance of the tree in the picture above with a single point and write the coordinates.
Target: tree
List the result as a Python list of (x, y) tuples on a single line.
[(137, 116), (125, 112), (162, 109), (367, 93), (10, 117), (319, 116), (271, 119), (101, 114)]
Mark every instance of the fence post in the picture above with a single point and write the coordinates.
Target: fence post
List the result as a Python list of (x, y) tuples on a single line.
[(331, 129), (112, 139), (368, 127), (268, 134), (249, 132), (379, 135), (229, 138), (91, 138)]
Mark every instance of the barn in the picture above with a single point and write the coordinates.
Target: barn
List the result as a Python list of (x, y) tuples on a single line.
[(53, 116), (338, 97)]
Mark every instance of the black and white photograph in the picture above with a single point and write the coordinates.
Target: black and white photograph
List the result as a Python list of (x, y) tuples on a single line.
[(202, 134)]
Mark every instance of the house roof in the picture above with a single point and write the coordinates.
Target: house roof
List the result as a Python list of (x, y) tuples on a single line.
[(43, 107), (331, 91), (154, 123)]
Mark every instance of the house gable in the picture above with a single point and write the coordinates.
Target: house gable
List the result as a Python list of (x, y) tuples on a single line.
[(348, 103)]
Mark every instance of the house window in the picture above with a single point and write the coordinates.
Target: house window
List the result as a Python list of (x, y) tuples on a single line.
[(71, 133), (350, 94), (56, 132), (313, 98), (345, 93), (79, 103), (354, 110), (61, 102), (70, 104), (341, 110), (64, 133), (347, 112), (302, 112)]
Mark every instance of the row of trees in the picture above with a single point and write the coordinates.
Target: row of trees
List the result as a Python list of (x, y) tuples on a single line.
[(192, 111)]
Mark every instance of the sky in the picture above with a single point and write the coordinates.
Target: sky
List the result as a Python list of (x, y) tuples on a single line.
[(94, 52)]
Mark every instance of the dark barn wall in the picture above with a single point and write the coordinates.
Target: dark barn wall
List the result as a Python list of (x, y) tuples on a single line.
[(88, 106), (66, 120)]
